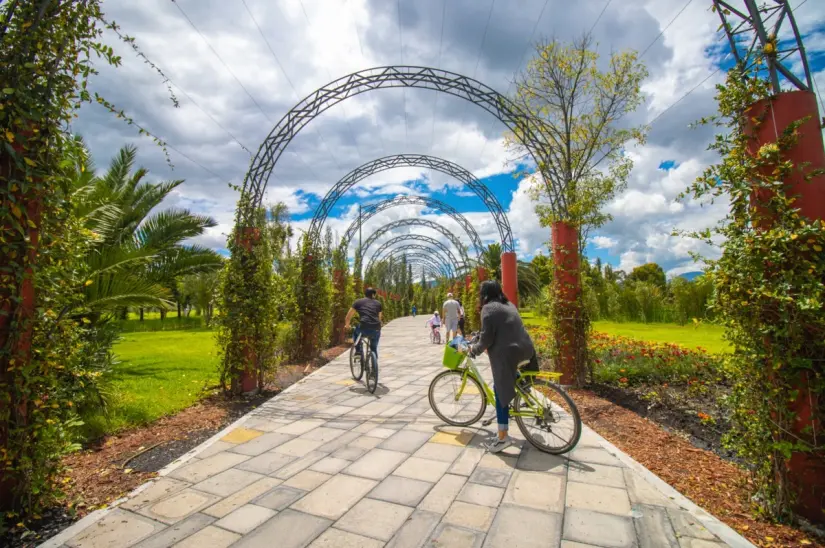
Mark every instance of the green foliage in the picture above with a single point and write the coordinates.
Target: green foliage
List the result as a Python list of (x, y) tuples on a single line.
[(650, 273), (314, 299), (248, 296), (769, 291), (342, 293)]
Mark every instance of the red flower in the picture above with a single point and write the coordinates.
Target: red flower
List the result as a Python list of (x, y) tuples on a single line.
[(623, 380)]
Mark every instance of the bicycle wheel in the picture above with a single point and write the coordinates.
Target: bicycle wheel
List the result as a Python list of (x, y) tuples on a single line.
[(466, 410), (551, 420), (356, 364), (372, 372)]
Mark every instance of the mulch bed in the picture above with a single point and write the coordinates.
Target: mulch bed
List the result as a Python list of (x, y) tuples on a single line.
[(117, 464), (714, 483)]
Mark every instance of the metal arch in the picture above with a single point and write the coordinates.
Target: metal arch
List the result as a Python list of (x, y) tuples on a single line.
[(369, 211), (434, 255), (418, 258), (422, 258), (528, 129), (765, 23), (403, 223), (413, 160), (418, 238)]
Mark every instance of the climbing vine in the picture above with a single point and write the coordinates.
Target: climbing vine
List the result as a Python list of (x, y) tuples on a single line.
[(314, 299), (769, 291)]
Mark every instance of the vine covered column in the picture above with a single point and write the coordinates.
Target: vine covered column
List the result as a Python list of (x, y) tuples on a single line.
[(509, 276), (565, 252), (247, 239)]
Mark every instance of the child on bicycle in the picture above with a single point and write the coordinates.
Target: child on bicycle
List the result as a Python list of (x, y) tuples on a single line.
[(507, 344), (434, 323)]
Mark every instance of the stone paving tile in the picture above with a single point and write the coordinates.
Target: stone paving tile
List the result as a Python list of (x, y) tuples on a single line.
[(642, 492), (467, 461), (375, 518), (307, 480), (597, 529), (202, 469), (439, 452), (598, 498), (406, 441), (531, 459), (471, 516), (653, 527), (279, 498), (291, 529), (267, 463), (687, 542), (228, 482), (209, 537), (175, 507), (597, 455), (298, 447), (300, 427), (241, 435), (441, 496), (177, 532), (216, 447), (686, 525), (422, 469), (516, 527), (262, 444), (597, 474), (377, 464), (483, 495), (336, 538), (336, 496), (245, 518), (450, 535), (491, 476), (536, 490), (330, 465), (158, 489), (323, 434), (118, 528), (406, 491), (498, 461), (240, 498), (415, 532)]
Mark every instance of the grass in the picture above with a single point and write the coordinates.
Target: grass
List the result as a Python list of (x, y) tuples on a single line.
[(707, 336), (152, 322), (160, 373)]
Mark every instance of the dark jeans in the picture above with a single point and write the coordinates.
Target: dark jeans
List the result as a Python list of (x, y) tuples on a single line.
[(373, 334)]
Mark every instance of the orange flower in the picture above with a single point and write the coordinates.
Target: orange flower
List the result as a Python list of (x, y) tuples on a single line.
[(623, 380), (703, 416)]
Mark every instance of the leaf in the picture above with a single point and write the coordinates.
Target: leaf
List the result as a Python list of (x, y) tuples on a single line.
[(817, 247), (8, 91), (30, 162), (16, 211), (9, 136)]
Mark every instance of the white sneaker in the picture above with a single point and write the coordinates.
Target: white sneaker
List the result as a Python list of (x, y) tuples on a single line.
[(496, 445)]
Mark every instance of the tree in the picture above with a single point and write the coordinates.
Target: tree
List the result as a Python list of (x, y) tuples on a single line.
[(650, 273), (491, 260), (202, 290), (579, 106)]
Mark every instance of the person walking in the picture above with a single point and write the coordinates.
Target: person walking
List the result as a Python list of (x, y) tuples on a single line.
[(450, 313), (507, 344), (414, 310), (371, 313), (461, 318)]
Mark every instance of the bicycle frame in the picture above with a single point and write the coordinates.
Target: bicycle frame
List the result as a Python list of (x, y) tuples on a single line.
[(469, 369)]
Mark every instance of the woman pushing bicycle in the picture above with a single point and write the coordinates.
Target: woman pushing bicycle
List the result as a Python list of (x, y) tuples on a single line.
[(507, 344)]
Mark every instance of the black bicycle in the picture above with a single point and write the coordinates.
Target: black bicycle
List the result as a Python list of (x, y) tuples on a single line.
[(363, 360)]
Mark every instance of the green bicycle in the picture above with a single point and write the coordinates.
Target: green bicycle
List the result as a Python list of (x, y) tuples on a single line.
[(544, 412)]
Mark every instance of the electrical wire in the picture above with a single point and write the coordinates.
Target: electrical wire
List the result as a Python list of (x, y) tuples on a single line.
[(217, 123), (596, 22), (401, 48), (679, 100), (666, 27), (438, 66)]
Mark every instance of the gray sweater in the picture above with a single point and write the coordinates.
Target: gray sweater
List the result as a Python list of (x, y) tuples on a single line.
[(507, 344)]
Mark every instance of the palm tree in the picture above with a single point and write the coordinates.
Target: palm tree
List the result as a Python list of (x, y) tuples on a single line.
[(134, 255), (491, 260)]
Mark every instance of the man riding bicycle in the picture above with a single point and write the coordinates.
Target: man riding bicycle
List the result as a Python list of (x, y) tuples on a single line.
[(370, 311)]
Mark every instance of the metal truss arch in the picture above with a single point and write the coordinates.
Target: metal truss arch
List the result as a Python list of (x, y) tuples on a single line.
[(414, 160), (422, 239), (405, 223), (369, 211), (435, 255), (528, 129), (435, 261)]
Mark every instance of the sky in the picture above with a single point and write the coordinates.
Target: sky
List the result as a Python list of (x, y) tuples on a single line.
[(236, 67)]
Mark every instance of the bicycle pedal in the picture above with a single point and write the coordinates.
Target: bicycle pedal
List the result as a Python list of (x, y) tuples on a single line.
[(487, 422)]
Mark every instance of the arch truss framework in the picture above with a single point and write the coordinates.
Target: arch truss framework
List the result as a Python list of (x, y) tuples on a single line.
[(413, 160), (414, 255), (527, 128), (369, 211), (408, 223), (422, 240), (435, 255)]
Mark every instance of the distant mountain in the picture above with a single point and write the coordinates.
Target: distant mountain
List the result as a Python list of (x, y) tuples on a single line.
[(690, 275)]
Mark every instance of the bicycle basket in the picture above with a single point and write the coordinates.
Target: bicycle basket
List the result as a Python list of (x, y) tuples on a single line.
[(452, 358)]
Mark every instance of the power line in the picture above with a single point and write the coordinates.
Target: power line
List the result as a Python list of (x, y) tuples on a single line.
[(664, 29), (205, 41), (521, 62), (679, 100), (596, 22), (183, 91), (401, 48), (478, 61), (291, 85), (438, 66)]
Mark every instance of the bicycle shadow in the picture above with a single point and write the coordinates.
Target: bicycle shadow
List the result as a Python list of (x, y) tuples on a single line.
[(361, 390)]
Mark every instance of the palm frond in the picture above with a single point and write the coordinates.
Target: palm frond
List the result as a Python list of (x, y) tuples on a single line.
[(171, 227), (184, 260), (117, 290)]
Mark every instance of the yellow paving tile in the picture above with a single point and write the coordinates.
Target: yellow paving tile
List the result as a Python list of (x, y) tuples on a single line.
[(461, 438), (345, 382), (241, 435)]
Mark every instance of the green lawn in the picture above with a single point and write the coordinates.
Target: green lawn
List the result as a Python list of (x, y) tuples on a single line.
[(159, 373), (708, 336)]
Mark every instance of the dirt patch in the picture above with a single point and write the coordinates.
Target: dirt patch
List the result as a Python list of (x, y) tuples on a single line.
[(719, 486), (115, 465)]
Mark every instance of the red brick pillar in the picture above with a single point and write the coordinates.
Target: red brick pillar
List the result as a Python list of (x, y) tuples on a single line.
[(565, 251), (468, 281), (247, 238), (806, 472), (482, 273)]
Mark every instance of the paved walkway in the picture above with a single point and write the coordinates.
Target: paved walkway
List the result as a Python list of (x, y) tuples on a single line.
[(328, 464)]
